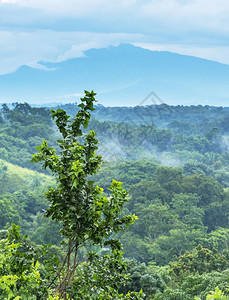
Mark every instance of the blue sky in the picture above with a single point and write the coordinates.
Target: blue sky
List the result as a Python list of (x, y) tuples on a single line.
[(55, 30)]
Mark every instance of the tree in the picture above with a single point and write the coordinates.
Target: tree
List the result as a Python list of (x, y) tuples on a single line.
[(196, 286), (148, 192), (143, 277), (85, 213), (154, 221), (185, 207), (170, 178), (19, 274), (217, 294), (199, 261)]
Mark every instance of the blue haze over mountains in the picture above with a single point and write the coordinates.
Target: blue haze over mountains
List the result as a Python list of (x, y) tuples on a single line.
[(122, 76)]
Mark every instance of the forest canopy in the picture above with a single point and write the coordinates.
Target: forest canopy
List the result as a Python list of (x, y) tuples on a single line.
[(174, 162)]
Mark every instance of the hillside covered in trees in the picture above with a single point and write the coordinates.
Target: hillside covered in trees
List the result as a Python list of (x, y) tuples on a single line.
[(173, 160)]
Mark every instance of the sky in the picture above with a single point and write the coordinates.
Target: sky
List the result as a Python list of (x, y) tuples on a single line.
[(55, 30)]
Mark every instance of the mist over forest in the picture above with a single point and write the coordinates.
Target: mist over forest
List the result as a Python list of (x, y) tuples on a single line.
[(114, 150), (174, 162)]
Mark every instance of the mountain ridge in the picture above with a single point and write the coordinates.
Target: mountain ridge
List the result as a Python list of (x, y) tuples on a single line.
[(122, 75)]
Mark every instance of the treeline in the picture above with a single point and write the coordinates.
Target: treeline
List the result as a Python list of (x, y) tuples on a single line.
[(204, 142), (187, 118), (149, 138)]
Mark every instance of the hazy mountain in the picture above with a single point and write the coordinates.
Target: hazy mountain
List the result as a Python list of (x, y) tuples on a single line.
[(122, 75)]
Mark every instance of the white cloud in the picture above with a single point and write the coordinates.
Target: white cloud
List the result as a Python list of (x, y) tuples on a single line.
[(72, 8), (210, 52), (8, 1), (192, 27), (190, 14), (28, 48), (206, 14)]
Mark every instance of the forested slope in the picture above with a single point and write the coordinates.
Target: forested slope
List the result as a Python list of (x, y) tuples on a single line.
[(176, 168)]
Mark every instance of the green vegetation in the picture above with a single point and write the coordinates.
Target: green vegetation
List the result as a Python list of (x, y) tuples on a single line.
[(174, 161), (86, 216)]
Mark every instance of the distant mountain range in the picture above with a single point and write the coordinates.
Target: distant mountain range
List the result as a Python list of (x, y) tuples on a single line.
[(122, 76)]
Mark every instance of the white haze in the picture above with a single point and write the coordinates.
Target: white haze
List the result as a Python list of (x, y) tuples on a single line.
[(225, 142)]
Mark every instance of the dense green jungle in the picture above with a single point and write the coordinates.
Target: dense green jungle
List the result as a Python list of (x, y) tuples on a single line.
[(174, 163)]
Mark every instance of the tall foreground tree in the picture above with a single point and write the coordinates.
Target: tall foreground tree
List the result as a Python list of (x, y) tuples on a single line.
[(84, 211)]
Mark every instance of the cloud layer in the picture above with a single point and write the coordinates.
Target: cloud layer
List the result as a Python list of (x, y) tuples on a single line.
[(55, 30), (204, 15), (29, 48)]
